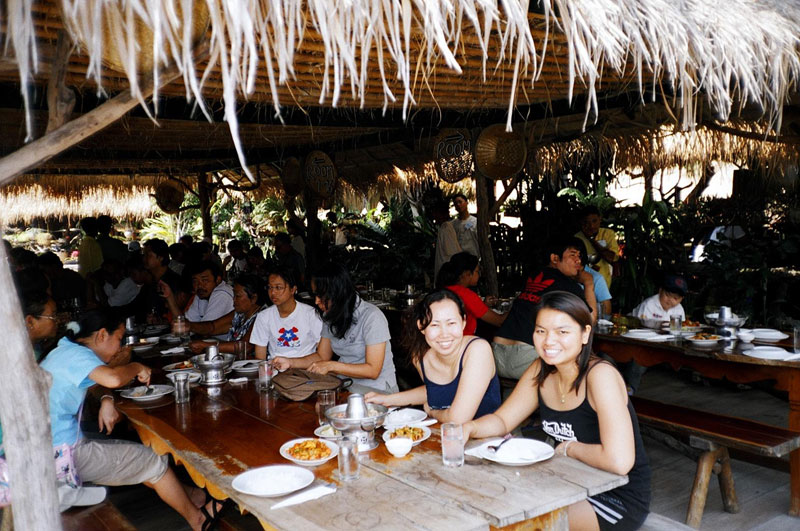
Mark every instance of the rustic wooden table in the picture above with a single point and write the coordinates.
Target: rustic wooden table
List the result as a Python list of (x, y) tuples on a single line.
[(716, 362), (224, 431)]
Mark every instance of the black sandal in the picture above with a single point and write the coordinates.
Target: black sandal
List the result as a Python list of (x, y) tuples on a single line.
[(210, 519)]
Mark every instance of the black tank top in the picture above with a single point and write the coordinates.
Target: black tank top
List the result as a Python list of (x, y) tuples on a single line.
[(581, 424)]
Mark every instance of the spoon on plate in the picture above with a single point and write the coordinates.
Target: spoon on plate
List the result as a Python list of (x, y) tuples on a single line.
[(493, 448)]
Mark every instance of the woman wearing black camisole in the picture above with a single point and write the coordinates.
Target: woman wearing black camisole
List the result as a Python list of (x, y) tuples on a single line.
[(584, 406)]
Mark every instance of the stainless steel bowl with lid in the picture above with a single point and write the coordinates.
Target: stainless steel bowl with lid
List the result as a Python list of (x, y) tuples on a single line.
[(212, 372), (357, 420)]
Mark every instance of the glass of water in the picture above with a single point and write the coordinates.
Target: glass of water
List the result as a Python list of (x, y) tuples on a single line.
[(675, 323), (325, 399), (452, 444), (349, 465)]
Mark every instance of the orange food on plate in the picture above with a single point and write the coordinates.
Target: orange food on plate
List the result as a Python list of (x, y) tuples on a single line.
[(309, 450), (690, 323), (185, 365), (705, 337), (414, 434)]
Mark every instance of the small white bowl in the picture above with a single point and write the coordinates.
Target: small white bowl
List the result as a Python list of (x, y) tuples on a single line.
[(745, 337), (399, 446)]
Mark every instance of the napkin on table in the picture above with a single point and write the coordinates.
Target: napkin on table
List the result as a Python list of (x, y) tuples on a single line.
[(173, 350), (306, 495)]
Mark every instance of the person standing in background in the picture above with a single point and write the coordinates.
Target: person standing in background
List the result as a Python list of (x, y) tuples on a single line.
[(112, 248), (601, 243), (466, 226), (90, 255), (446, 238)]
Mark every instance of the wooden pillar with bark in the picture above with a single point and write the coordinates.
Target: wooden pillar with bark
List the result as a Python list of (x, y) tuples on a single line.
[(204, 192), (25, 417)]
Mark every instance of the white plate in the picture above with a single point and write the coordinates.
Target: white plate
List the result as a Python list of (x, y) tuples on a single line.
[(194, 376), (170, 338), (517, 451), (704, 342), (402, 417), (768, 334), (137, 393), (426, 432), (767, 353), (154, 329), (245, 365), (141, 348), (274, 480), (638, 332), (640, 337), (326, 431), (179, 366), (660, 338), (314, 462)]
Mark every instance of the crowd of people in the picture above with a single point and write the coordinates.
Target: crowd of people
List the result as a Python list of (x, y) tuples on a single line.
[(544, 342)]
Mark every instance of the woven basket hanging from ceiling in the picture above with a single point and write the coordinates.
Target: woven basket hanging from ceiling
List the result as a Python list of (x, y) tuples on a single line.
[(169, 196), (292, 177), (319, 174), (498, 153), (112, 25), (452, 154)]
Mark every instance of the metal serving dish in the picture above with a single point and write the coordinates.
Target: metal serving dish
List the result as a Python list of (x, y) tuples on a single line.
[(212, 372), (357, 420)]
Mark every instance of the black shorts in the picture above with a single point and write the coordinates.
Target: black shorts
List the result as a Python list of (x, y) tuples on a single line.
[(614, 513)]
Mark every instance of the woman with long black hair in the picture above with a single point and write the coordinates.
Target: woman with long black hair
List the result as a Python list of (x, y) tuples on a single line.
[(353, 329)]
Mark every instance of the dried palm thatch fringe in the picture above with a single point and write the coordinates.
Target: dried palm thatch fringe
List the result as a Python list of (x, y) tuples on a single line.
[(663, 148), (730, 52), (23, 204)]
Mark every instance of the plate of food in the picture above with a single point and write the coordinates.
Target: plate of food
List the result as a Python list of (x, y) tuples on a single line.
[(516, 452), (273, 480), (194, 376), (185, 365), (704, 340), (140, 393), (416, 434), (401, 417), (326, 431), (309, 452)]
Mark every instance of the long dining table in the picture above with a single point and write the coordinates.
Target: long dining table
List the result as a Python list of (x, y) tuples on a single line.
[(226, 430), (719, 361)]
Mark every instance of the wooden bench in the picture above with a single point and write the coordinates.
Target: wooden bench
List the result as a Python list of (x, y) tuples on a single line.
[(713, 434), (101, 517)]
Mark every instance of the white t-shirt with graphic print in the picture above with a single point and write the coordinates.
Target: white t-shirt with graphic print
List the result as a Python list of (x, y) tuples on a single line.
[(293, 336)]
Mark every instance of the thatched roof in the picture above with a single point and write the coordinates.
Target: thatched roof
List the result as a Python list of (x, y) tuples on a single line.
[(700, 58)]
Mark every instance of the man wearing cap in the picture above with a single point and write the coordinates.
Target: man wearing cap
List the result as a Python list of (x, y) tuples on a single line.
[(665, 303)]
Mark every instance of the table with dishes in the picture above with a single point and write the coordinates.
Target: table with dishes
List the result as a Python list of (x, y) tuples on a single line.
[(242, 442), (750, 355)]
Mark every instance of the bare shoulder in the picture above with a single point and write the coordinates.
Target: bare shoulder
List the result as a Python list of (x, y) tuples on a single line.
[(604, 380), (478, 347)]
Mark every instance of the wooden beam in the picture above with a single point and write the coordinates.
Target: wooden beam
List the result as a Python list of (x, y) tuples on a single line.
[(60, 98), (24, 413), (71, 133)]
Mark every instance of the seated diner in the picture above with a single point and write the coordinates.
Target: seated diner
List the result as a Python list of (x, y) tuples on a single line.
[(460, 381), (353, 329), (460, 274), (584, 407)]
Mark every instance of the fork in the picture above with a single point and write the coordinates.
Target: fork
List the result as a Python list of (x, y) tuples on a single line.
[(149, 390), (493, 448)]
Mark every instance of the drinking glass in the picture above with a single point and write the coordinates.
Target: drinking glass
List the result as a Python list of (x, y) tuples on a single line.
[(675, 323), (452, 444), (265, 375), (349, 465), (796, 332), (180, 327), (370, 288), (181, 380), (325, 399), (240, 350)]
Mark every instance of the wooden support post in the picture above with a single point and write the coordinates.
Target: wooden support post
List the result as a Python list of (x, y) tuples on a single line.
[(314, 228), (25, 416), (487, 255), (71, 133), (60, 98), (726, 485), (204, 193)]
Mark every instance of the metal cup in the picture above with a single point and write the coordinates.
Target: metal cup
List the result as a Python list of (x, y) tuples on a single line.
[(356, 408), (130, 324), (212, 351), (724, 314)]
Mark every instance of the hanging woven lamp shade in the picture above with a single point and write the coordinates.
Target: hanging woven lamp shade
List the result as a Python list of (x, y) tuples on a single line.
[(452, 154), (498, 153), (292, 177), (319, 174), (169, 196)]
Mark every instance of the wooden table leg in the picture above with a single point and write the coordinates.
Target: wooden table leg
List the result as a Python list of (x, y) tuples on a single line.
[(794, 457)]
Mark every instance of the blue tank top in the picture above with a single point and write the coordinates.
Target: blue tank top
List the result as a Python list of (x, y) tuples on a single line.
[(441, 396)]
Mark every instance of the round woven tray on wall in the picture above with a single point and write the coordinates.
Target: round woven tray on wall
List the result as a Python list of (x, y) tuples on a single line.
[(169, 196), (452, 154), (144, 37), (319, 174), (292, 177), (500, 154)]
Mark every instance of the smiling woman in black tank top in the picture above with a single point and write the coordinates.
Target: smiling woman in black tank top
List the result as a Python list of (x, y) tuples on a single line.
[(585, 408)]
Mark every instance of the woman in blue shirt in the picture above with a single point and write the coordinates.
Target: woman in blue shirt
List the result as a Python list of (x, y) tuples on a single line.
[(459, 373), (80, 362)]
